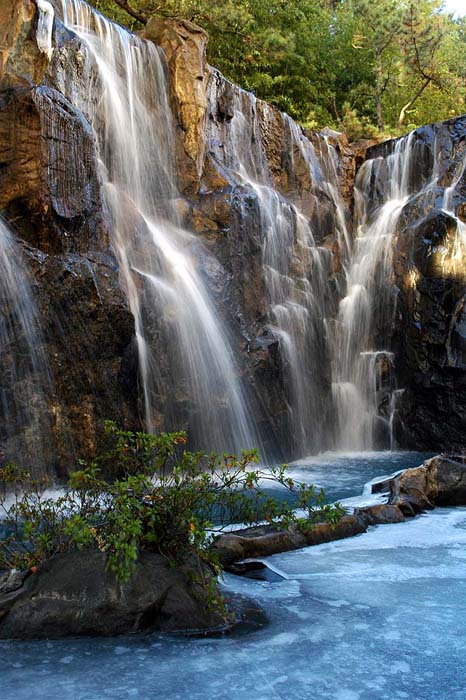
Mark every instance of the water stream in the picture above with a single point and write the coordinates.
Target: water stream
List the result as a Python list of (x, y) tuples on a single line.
[(359, 366), (295, 267), (26, 383), (127, 104)]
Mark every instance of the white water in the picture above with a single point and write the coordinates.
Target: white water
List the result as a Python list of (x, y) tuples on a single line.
[(357, 375), (127, 104), (26, 380), (372, 617), (363, 369), (295, 268), (45, 27)]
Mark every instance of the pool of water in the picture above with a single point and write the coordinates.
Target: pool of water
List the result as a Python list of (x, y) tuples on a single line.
[(375, 617), (344, 476)]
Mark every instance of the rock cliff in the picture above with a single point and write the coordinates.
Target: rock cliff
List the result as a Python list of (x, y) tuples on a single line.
[(272, 209), (429, 270), (50, 195)]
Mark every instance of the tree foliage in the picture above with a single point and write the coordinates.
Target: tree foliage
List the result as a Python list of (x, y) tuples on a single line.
[(159, 497), (395, 63)]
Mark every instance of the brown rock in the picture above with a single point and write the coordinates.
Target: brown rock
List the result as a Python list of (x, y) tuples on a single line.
[(380, 514), (184, 45), (20, 59)]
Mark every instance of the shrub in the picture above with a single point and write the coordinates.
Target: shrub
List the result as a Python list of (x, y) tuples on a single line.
[(163, 498)]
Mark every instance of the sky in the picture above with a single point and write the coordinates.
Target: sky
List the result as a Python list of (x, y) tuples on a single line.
[(457, 6)]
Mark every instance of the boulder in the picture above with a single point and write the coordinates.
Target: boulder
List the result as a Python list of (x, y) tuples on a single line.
[(73, 594), (380, 514), (440, 481)]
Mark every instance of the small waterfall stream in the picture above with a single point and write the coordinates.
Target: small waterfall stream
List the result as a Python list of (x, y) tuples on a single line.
[(360, 369), (364, 385), (295, 267), (127, 104), (26, 377)]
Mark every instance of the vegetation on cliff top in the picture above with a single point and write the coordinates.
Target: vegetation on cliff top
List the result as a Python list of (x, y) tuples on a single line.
[(157, 496), (359, 65)]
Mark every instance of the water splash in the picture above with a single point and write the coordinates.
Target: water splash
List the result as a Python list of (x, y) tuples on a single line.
[(161, 265)]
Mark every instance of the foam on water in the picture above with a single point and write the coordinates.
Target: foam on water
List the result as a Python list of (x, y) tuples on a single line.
[(373, 617)]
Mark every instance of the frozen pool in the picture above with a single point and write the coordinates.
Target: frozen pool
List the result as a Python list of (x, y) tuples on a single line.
[(376, 617)]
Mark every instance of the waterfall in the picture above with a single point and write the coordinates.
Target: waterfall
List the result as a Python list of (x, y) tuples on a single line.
[(364, 387), (361, 370), (295, 268), (26, 378), (160, 263), (45, 27)]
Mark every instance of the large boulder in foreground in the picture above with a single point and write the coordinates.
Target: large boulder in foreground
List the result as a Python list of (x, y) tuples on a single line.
[(73, 594)]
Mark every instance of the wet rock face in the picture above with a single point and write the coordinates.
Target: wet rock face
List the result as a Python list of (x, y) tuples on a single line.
[(89, 335), (429, 328), (217, 121), (50, 195), (48, 180)]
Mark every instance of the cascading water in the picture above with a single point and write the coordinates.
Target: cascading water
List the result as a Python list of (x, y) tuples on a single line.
[(337, 365), (359, 368), (365, 392), (45, 27), (127, 105), (295, 268), (26, 378)]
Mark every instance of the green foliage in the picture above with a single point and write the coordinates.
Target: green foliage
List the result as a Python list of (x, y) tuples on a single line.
[(356, 127), (163, 498), (312, 58)]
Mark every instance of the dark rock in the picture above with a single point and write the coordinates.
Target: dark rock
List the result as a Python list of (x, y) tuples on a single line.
[(428, 336), (11, 581), (256, 570), (73, 594), (382, 486)]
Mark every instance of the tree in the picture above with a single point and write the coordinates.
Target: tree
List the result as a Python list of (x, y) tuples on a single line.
[(379, 24), (421, 41), (321, 59)]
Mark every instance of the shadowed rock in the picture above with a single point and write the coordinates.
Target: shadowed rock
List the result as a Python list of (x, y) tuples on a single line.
[(73, 594)]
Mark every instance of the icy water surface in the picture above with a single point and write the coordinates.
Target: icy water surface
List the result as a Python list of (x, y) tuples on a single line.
[(375, 617), (343, 476)]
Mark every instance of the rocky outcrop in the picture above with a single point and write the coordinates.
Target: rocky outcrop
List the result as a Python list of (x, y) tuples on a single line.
[(50, 195), (429, 263), (184, 45), (440, 481), (20, 59), (73, 594)]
